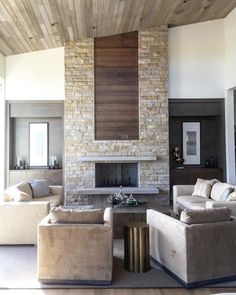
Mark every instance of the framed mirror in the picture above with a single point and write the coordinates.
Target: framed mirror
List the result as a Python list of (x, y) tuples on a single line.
[(38, 144)]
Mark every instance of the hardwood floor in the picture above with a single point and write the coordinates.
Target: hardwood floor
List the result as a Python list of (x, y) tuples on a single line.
[(173, 291)]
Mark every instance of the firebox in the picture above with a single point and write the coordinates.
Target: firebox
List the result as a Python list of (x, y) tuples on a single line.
[(116, 174)]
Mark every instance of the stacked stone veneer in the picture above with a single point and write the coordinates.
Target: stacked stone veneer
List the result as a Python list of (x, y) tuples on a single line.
[(153, 113)]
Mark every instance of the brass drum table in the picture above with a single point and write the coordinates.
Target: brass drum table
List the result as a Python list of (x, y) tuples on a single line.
[(136, 239)]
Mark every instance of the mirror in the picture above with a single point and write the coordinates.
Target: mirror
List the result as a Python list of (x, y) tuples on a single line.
[(38, 144)]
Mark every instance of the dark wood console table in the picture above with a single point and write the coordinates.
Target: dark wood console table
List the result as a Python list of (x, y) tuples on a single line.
[(189, 175)]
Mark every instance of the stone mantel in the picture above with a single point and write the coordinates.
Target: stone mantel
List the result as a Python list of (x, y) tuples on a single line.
[(113, 190), (117, 159)]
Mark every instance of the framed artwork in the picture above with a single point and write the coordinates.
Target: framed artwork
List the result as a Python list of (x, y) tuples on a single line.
[(38, 144), (191, 143)]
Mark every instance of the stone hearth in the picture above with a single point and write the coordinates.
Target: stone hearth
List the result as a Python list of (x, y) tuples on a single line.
[(80, 143)]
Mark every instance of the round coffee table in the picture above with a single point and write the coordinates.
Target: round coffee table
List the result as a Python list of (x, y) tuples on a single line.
[(136, 239)]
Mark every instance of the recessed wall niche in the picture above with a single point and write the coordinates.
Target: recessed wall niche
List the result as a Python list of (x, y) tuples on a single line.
[(21, 114)]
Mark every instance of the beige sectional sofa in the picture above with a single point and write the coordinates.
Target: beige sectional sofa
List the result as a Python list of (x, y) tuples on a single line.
[(19, 219), (183, 198)]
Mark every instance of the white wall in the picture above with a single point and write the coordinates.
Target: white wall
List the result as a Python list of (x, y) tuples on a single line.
[(229, 133), (35, 76), (2, 123), (197, 60), (230, 49)]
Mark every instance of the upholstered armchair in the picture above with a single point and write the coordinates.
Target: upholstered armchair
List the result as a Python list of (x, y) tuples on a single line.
[(194, 254), (76, 253)]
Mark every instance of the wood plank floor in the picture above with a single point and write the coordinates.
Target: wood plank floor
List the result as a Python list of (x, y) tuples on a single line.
[(174, 291)]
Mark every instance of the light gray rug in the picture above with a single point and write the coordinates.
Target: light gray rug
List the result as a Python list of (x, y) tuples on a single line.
[(18, 269)]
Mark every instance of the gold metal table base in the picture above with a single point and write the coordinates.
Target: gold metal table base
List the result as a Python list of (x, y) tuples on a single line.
[(136, 239)]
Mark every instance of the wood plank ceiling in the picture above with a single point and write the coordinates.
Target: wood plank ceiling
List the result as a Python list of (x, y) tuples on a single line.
[(29, 25)]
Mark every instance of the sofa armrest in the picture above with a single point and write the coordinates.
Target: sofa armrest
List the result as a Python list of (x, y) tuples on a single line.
[(19, 220), (108, 216), (56, 189), (181, 190), (218, 204)]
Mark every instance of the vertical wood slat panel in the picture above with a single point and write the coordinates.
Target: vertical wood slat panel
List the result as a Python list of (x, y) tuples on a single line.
[(116, 87)]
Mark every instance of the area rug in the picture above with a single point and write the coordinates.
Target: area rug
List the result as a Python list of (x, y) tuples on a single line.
[(18, 269)]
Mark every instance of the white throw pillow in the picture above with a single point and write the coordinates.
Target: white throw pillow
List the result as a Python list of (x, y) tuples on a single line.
[(203, 187), (40, 188), (20, 196), (232, 197), (5, 198), (14, 194), (218, 191)]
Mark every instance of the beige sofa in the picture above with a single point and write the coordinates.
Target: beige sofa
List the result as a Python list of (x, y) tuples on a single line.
[(195, 254), (19, 220), (183, 199), (76, 253)]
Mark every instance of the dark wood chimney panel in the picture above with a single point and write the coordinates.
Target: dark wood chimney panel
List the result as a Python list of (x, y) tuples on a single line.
[(116, 87)]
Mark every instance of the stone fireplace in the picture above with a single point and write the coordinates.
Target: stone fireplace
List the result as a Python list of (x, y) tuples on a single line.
[(150, 152)]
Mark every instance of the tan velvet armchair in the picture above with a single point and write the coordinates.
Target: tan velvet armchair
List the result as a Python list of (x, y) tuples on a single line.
[(196, 254), (76, 253)]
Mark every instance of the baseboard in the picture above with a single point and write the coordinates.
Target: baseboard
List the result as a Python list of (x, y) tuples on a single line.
[(193, 284), (77, 282)]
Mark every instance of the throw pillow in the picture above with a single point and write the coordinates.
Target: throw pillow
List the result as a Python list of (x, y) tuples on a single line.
[(232, 197), (203, 187), (25, 187), (40, 188), (5, 198), (218, 190), (206, 215), (14, 194), (20, 196), (64, 215), (226, 193)]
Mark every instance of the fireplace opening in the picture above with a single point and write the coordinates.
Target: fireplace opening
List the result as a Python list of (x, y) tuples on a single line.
[(116, 174)]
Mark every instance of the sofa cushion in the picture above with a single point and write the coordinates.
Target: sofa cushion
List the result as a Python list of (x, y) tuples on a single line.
[(40, 188), (191, 202), (54, 200), (64, 215), (205, 216), (218, 189), (203, 187)]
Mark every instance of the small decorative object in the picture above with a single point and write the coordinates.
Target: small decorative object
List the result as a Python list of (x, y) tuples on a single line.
[(53, 163), (212, 162), (191, 143), (131, 201), (114, 200), (178, 155), (20, 163), (118, 199), (207, 163)]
